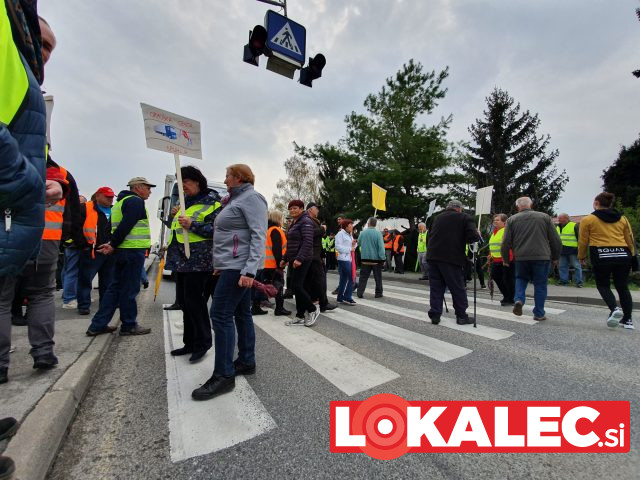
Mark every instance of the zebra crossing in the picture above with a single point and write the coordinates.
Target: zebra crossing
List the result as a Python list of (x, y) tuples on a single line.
[(240, 415)]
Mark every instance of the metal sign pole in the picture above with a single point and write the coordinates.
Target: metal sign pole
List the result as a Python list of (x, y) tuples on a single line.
[(187, 251)]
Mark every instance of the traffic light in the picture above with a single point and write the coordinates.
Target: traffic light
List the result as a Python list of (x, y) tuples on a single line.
[(313, 70), (256, 46)]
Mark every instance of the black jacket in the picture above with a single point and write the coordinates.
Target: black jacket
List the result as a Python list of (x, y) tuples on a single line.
[(318, 233), (448, 235)]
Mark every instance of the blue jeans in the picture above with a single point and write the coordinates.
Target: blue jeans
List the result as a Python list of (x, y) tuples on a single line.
[(563, 268), (70, 274), (537, 272), (345, 286), (143, 275), (232, 304), (103, 266), (122, 291)]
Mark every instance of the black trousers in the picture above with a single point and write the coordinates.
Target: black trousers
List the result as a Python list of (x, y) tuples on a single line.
[(365, 271), (303, 298), (194, 292), (397, 259), (603, 274), (505, 278), (316, 282), (443, 275)]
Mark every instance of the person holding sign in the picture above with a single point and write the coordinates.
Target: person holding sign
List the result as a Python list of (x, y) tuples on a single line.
[(130, 238)]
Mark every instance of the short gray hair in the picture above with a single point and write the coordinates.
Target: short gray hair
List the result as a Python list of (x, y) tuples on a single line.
[(524, 202), (423, 224), (372, 222), (454, 204)]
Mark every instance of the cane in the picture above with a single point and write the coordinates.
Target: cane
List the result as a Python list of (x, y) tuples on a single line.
[(474, 249), (445, 304)]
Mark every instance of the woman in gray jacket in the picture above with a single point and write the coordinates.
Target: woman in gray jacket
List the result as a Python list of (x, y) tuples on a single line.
[(238, 251)]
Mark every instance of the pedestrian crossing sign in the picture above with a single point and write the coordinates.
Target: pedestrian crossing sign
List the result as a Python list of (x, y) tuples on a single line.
[(286, 37)]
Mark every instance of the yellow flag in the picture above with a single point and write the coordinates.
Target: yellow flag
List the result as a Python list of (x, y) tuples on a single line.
[(378, 197)]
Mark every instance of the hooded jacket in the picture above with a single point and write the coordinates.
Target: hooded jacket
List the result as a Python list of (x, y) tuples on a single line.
[(605, 228)]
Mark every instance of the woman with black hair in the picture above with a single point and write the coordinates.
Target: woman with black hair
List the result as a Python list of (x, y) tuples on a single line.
[(611, 247), (194, 279)]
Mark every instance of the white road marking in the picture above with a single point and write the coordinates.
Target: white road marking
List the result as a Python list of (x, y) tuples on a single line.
[(485, 301), (480, 330), (422, 344), (199, 428), (347, 370)]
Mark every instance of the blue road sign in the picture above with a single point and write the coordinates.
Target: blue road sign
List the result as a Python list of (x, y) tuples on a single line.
[(285, 36)]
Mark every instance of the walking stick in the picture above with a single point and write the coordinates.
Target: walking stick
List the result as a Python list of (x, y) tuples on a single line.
[(445, 304), (474, 249)]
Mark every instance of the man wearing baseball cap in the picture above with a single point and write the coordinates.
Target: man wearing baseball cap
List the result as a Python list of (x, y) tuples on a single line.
[(97, 231), (130, 238)]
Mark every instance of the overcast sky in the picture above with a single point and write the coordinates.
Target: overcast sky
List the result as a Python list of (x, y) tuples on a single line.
[(569, 61)]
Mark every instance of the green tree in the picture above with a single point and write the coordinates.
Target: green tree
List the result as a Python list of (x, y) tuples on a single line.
[(622, 178), (507, 152), (302, 182)]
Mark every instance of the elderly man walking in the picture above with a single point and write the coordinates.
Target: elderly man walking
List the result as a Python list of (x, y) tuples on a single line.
[(372, 255), (569, 234), (130, 238), (535, 244)]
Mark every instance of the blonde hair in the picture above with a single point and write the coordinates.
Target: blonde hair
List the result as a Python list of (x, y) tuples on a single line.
[(276, 217), (243, 172)]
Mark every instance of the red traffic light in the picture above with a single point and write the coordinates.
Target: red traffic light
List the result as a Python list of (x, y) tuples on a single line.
[(313, 70), (257, 45)]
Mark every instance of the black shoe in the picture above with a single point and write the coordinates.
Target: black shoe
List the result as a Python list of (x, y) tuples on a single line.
[(7, 468), (359, 296), (328, 307), (256, 310), (18, 320), (335, 292), (517, 308), (175, 306), (46, 362), (423, 278), (213, 387), (378, 295), (435, 320), (107, 329), (84, 311), (281, 312), (4, 375), (145, 285), (464, 321), (505, 303), (181, 351), (137, 330), (197, 356), (8, 428), (243, 368)]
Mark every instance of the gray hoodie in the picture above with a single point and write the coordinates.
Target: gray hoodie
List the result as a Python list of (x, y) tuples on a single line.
[(532, 236), (240, 231)]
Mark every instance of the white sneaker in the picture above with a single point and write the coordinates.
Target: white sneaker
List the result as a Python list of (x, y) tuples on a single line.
[(72, 305), (628, 325), (312, 317), (615, 317)]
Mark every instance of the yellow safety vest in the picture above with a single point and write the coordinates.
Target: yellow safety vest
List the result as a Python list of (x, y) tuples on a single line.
[(495, 243), (197, 213), (14, 82), (422, 242), (140, 234), (568, 235)]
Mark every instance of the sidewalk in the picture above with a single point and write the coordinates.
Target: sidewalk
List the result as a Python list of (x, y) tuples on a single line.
[(569, 294), (45, 402)]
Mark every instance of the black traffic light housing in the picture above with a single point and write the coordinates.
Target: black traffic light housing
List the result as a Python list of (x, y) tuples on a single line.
[(313, 71), (257, 45)]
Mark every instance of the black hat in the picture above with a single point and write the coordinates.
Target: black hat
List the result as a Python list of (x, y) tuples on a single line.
[(311, 205)]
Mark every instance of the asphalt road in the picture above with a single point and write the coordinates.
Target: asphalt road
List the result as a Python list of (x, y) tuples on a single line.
[(122, 429)]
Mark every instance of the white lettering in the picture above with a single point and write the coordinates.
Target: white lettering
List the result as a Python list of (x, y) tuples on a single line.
[(469, 416), (610, 434), (569, 431), (418, 426), (343, 435), (502, 437), (535, 426)]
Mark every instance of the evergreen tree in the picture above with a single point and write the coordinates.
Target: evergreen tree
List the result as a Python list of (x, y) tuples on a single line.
[(508, 153), (623, 177)]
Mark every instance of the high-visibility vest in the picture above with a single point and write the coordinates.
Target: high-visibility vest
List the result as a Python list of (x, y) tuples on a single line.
[(324, 243), (197, 213), (495, 243), (396, 241), (422, 242), (90, 227), (269, 258), (53, 217), (140, 234), (388, 241), (331, 244), (568, 234)]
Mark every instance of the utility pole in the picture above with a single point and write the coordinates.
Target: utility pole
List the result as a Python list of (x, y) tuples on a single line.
[(282, 4)]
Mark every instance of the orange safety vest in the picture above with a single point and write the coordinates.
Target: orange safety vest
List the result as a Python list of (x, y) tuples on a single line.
[(396, 241), (90, 227), (388, 241), (270, 259), (53, 217)]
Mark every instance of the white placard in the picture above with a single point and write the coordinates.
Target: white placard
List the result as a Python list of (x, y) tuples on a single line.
[(483, 200), (168, 132), (48, 103), (432, 208)]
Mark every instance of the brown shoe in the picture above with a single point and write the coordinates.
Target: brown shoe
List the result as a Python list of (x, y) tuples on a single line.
[(107, 329), (137, 330), (517, 308), (539, 319)]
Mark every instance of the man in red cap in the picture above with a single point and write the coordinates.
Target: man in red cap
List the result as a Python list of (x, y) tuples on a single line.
[(97, 231)]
